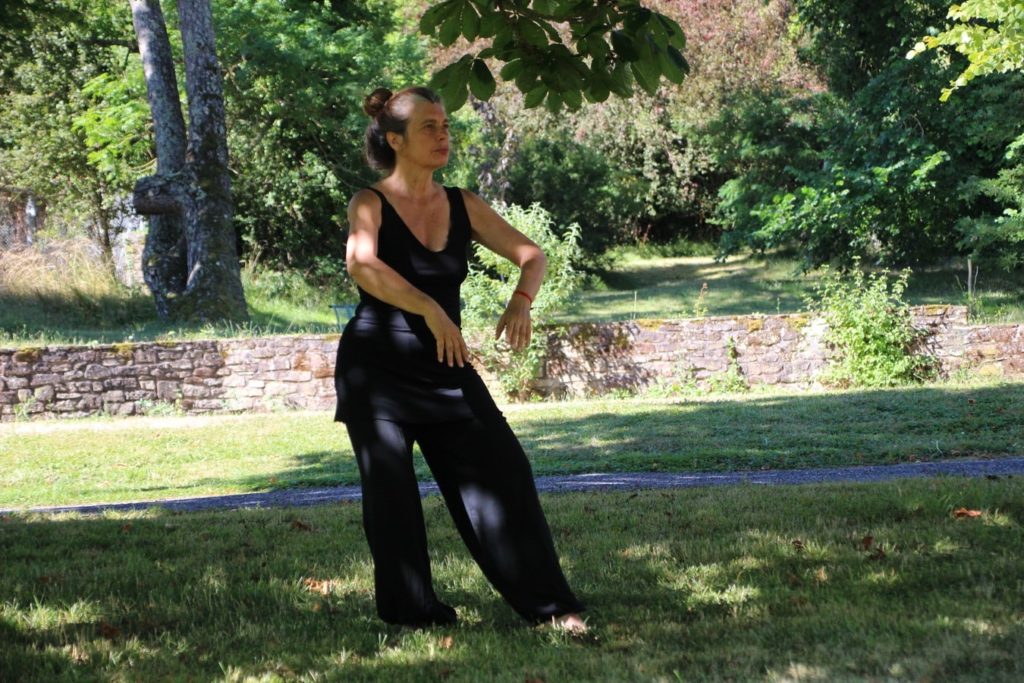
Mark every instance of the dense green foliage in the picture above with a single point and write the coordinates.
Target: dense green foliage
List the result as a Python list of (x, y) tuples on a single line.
[(615, 44), (491, 282), (990, 34), (869, 327), (873, 168), (800, 126)]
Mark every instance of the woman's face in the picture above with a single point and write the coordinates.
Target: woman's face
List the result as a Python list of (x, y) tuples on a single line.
[(426, 140)]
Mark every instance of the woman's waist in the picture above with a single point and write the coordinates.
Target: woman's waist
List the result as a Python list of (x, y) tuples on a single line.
[(375, 313)]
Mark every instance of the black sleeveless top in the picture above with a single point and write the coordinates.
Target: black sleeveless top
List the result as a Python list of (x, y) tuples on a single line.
[(387, 365)]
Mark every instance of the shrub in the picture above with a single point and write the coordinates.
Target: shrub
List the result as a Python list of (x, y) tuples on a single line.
[(869, 325), (491, 282)]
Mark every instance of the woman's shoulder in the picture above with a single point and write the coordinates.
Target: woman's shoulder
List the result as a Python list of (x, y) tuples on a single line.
[(365, 204)]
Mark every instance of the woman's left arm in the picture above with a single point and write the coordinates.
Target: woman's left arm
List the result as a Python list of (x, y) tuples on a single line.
[(495, 233)]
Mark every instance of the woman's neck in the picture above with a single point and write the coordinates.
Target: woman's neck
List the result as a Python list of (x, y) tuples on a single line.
[(411, 183)]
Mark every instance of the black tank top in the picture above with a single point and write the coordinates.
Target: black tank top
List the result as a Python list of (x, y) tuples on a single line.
[(387, 365), (438, 274)]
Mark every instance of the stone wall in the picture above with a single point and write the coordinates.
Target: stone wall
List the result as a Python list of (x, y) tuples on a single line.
[(193, 376), (583, 359), (591, 358)]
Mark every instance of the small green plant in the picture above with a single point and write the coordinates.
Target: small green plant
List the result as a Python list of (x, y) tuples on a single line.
[(23, 410), (700, 307), (491, 282), (869, 325), (732, 380), (145, 406)]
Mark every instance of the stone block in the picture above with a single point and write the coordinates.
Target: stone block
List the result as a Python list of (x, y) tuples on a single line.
[(44, 394), (297, 376), (113, 396), (167, 391), (94, 371), (16, 382), (194, 391), (44, 378)]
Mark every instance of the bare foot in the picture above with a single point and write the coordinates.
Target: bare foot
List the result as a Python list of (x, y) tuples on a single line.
[(570, 623)]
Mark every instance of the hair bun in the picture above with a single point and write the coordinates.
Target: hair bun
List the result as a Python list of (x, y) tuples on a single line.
[(375, 101)]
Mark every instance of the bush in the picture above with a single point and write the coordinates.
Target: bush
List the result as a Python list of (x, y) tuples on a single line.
[(869, 325), (491, 282)]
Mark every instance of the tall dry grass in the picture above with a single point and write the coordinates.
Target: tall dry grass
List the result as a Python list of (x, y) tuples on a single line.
[(64, 282)]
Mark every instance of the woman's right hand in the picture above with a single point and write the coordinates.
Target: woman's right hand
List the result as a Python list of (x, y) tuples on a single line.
[(450, 344)]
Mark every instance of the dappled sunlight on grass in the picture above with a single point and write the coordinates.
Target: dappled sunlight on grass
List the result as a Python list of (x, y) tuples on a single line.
[(288, 592)]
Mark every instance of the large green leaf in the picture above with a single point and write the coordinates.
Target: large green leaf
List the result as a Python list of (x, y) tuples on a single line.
[(450, 29), (481, 82), (535, 97), (532, 33), (437, 14), (623, 46), (470, 22), (554, 102), (643, 77), (673, 64)]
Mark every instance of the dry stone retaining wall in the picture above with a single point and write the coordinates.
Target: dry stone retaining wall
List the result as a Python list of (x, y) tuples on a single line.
[(583, 359)]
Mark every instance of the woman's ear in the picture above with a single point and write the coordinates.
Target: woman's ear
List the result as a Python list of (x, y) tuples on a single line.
[(395, 140)]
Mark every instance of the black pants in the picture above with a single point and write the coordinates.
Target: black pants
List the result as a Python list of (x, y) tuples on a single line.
[(487, 484)]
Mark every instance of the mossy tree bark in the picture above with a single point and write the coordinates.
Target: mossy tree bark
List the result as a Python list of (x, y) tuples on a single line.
[(191, 260)]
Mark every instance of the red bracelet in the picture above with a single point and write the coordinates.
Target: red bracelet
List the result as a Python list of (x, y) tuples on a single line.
[(530, 298)]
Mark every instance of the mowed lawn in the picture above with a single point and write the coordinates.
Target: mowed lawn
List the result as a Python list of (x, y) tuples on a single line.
[(108, 459), (919, 580), (641, 286)]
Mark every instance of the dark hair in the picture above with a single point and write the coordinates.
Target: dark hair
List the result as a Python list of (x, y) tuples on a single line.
[(389, 113)]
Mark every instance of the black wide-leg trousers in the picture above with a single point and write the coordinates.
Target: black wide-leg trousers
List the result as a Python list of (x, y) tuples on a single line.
[(487, 484)]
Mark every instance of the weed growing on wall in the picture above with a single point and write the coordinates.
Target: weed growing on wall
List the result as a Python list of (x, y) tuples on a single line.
[(491, 282), (869, 325)]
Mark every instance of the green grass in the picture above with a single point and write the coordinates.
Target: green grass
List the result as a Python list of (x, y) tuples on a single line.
[(732, 583), (111, 459), (80, 303), (641, 286)]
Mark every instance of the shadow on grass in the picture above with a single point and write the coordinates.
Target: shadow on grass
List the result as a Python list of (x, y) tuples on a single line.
[(748, 433), (114, 318), (699, 585)]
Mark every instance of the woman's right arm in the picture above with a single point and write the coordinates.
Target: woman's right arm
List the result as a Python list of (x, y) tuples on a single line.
[(384, 283)]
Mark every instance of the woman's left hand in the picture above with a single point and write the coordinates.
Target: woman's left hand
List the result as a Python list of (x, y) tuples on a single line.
[(516, 323)]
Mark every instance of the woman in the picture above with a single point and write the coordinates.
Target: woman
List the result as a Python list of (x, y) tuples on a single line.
[(403, 375)]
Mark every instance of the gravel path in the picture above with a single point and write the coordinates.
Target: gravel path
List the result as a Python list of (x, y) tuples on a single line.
[(999, 467)]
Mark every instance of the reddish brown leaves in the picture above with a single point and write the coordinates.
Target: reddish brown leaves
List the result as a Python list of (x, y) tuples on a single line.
[(798, 545), (964, 512), (878, 554), (866, 542), (447, 642), (109, 632), (299, 525), (320, 586), (126, 527)]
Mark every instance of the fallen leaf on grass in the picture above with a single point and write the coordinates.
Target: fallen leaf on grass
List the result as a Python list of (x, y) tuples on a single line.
[(125, 528), (47, 579), (321, 586), (447, 642), (878, 555), (798, 545), (964, 512), (821, 576), (866, 542), (299, 525), (109, 632)]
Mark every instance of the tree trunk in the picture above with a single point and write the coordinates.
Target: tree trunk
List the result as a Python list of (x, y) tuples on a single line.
[(214, 290), (197, 186), (164, 255)]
